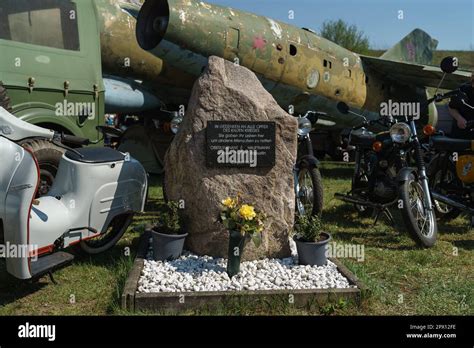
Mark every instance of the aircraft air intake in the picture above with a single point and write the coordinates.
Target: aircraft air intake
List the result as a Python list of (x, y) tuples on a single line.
[(152, 23)]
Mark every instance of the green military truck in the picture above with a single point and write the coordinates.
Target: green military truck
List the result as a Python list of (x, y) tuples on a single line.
[(50, 71), (65, 63)]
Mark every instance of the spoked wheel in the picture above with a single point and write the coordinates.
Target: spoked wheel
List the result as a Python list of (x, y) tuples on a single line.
[(419, 219), (443, 210), (110, 237), (309, 196)]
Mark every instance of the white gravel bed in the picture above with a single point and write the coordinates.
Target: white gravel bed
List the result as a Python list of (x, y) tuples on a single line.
[(191, 273)]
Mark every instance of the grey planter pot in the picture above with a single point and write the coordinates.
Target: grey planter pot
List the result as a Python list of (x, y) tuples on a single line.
[(167, 247), (313, 254)]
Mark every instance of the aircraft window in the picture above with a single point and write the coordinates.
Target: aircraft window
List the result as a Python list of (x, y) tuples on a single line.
[(50, 23), (327, 64), (293, 50)]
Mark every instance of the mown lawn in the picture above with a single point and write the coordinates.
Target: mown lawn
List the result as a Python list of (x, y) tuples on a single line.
[(401, 278)]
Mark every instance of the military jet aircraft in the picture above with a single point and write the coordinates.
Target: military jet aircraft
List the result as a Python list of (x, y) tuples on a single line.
[(302, 70)]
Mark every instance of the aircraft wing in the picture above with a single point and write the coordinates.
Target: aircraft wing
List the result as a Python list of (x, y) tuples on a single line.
[(415, 74)]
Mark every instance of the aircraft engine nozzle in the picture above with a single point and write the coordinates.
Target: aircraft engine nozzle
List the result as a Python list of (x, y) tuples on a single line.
[(152, 23)]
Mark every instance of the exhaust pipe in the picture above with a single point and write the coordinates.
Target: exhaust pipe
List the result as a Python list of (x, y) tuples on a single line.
[(453, 203)]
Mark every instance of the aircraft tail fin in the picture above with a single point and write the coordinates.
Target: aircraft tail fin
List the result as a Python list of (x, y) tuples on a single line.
[(417, 47)]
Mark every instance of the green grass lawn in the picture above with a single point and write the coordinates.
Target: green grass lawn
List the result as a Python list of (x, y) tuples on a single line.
[(401, 278)]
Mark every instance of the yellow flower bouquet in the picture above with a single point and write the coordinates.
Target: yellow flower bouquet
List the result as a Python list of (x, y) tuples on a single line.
[(243, 223)]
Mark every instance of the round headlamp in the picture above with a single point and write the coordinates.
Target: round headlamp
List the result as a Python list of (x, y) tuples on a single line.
[(176, 123), (304, 126), (400, 133)]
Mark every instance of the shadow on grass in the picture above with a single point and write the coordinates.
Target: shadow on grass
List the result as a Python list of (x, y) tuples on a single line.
[(343, 215), (464, 244), (12, 289), (341, 172), (448, 228)]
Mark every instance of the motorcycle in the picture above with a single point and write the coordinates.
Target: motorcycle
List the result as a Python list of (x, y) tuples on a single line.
[(404, 147), (384, 177), (374, 184), (451, 173), (307, 177), (91, 202)]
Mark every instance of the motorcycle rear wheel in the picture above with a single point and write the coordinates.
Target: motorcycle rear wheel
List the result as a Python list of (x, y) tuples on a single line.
[(443, 211), (420, 223), (116, 229)]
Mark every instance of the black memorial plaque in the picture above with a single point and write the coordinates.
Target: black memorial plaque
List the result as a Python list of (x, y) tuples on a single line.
[(237, 144)]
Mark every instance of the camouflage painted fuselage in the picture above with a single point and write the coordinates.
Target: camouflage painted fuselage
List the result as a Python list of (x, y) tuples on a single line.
[(123, 57), (300, 69)]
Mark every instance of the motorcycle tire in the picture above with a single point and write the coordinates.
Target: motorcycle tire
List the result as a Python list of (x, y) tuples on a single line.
[(409, 218), (48, 156), (433, 169), (114, 232), (318, 192), (4, 98)]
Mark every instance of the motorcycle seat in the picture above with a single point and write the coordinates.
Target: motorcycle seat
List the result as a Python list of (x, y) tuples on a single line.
[(445, 143), (95, 155), (363, 138)]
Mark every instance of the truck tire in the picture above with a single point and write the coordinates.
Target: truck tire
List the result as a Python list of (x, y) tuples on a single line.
[(4, 98), (48, 156)]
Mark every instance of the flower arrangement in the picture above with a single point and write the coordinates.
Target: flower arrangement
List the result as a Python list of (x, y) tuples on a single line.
[(243, 223), (243, 218)]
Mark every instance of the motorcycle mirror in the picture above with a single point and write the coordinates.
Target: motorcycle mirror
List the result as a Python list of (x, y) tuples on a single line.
[(343, 108), (449, 64)]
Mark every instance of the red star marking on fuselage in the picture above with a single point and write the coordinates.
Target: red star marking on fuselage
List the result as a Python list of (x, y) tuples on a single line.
[(259, 43)]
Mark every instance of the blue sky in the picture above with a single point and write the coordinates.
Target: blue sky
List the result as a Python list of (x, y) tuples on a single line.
[(451, 22)]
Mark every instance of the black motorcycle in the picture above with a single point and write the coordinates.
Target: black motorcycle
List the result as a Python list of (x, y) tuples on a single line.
[(374, 185), (396, 163), (384, 176), (307, 177), (451, 174)]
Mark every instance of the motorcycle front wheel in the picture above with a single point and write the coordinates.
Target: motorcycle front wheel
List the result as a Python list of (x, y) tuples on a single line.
[(103, 242), (309, 195), (419, 221)]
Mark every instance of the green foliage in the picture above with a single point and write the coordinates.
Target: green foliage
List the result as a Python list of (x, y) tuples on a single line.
[(308, 229), (332, 308), (345, 35), (170, 221)]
